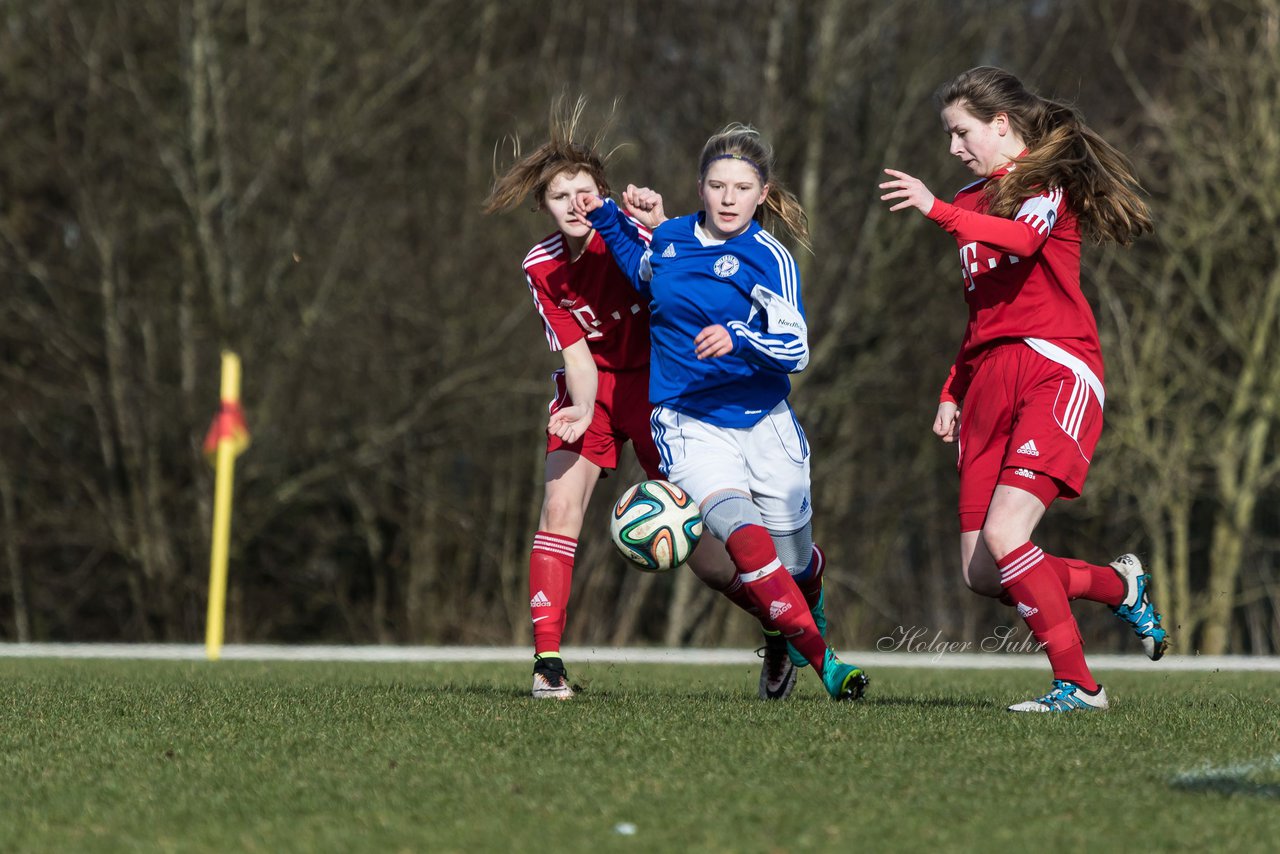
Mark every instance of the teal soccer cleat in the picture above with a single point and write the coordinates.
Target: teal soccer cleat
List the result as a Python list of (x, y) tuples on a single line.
[(1136, 608), (1065, 697), (842, 681)]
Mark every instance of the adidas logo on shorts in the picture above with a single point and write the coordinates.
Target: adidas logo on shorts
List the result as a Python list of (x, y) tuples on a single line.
[(539, 600), (1029, 448), (777, 608), (1027, 473), (1025, 611)]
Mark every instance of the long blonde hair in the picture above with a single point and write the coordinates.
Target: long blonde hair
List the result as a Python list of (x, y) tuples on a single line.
[(561, 154), (1061, 152), (781, 205)]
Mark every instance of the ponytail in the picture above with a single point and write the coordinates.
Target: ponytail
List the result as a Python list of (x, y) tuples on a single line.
[(1062, 152)]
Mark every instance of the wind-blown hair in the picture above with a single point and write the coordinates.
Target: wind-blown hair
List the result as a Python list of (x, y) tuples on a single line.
[(1061, 152), (561, 154), (744, 142)]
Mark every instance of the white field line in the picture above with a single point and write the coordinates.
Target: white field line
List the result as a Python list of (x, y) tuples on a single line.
[(618, 655), (1231, 779)]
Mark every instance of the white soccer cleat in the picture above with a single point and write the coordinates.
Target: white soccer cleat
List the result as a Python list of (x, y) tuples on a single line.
[(1136, 608), (550, 682), (1065, 697)]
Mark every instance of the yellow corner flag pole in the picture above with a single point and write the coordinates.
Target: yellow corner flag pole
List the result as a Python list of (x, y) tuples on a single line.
[(227, 438)]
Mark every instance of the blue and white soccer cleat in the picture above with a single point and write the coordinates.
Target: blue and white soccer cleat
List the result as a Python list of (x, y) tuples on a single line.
[(1065, 697), (1136, 608), (842, 681), (819, 613), (777, 673)]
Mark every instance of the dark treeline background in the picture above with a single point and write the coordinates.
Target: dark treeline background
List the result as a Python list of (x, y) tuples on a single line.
[(301, 181)]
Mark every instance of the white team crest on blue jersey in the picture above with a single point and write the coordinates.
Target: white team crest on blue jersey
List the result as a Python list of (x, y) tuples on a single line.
[(725, 266)]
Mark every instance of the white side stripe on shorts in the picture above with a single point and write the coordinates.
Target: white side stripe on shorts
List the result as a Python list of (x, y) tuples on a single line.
[(659, 432), (1076, 404), (1074, 363), (1015, 570)]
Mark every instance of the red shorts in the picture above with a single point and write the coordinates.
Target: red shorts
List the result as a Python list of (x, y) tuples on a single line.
[(1024, 418), (622, 413)]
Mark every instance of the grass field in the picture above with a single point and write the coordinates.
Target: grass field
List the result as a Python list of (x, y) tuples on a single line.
[(181, 756)]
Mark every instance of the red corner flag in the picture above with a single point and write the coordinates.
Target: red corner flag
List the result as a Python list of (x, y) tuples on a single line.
[(227, 424)]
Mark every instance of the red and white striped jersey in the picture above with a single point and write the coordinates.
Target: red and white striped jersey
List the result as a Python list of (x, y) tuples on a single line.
[(1022, 282), (589, 298)]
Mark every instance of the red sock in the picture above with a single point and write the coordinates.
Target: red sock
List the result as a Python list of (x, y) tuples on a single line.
[(550, 573), (1084, 580), (1093, 582), (774, 591), (737, 593), (1042, 602)]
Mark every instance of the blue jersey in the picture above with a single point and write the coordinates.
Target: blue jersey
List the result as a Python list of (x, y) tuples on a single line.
[(749, 284)]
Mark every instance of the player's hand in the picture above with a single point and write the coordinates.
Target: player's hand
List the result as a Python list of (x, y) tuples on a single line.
[(585, 203), (645, 205), (713, 342), (912, 192), (569, 422), (947, 425)]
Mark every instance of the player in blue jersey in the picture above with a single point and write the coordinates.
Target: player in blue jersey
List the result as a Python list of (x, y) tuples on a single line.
[(596, 320), (727, 326)]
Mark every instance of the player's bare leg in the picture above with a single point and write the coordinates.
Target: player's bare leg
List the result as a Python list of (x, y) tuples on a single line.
[(978, 566), (570, 480), (711, 564), (1032, 581)]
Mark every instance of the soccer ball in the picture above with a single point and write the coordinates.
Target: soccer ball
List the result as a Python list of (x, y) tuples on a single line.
[(655, 525)]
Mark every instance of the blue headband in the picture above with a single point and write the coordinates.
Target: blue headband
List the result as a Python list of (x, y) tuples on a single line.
[(746, 160)]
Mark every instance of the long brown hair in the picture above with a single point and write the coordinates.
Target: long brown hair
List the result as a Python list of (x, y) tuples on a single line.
[(781, 205), (561, 154), (1061, 152)]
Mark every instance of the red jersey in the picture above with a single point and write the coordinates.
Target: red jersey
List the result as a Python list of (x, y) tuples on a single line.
[(1022, 282), (589, 298)]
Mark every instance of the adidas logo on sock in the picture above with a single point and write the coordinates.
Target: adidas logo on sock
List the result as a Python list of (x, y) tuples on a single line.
[(777, 608), (670, 251), (1025, 611), (1029, 448), (1027, 473), (539, 600)]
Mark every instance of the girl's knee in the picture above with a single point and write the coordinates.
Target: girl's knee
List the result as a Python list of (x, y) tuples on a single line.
[(561, 512)]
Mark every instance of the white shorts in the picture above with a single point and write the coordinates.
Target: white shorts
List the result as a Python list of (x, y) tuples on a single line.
[(768, 460)]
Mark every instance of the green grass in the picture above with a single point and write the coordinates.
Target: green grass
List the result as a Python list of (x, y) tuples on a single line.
[(160, 756)]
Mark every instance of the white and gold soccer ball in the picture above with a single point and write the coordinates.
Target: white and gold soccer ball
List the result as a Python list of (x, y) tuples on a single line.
[(655, 525)]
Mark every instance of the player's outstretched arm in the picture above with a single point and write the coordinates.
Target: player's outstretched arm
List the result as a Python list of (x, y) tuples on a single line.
[(906, 191), (585, 203), (1022, 236), (645, 205), (622, 237)]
